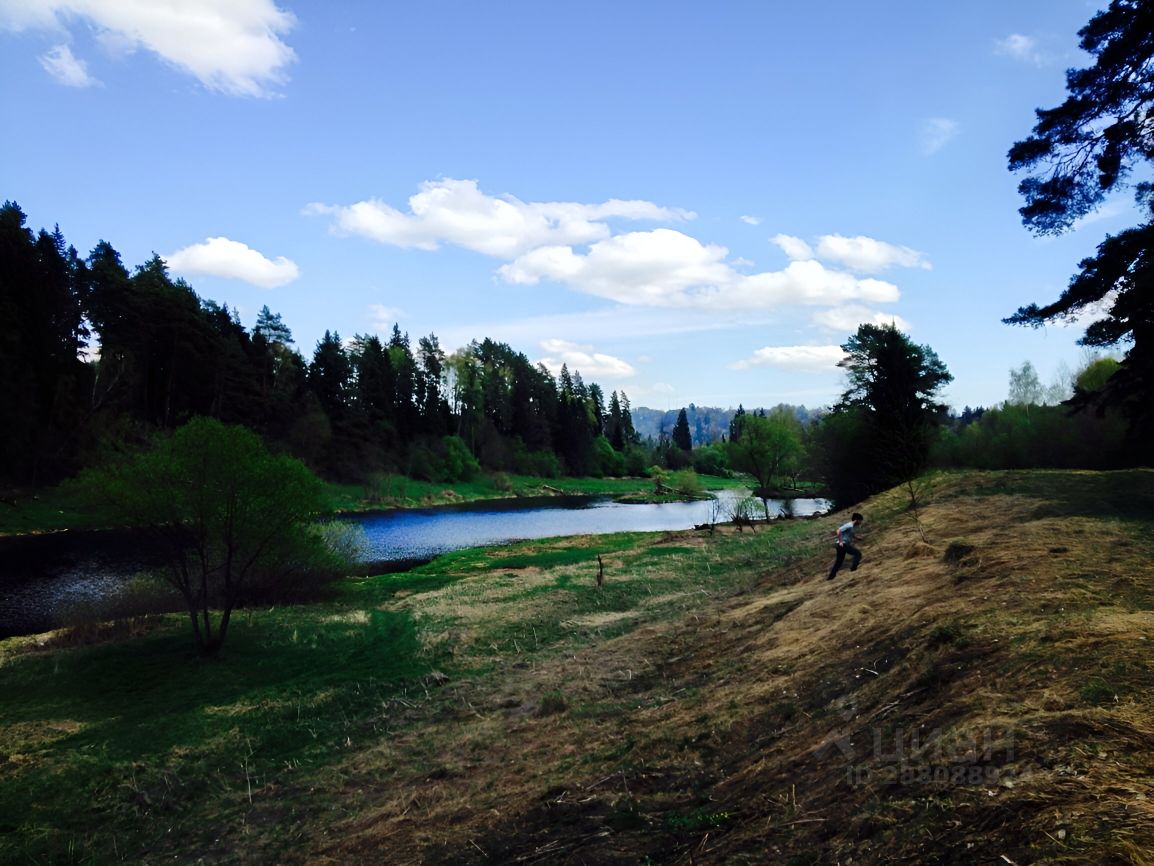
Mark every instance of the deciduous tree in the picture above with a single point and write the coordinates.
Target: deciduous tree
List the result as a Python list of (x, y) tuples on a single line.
[(769, 447), (223, 510)]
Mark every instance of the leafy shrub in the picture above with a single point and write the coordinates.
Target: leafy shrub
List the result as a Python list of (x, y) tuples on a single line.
[(543, 464), (606, 460), (687, 482), (744, 510), (457, 462)]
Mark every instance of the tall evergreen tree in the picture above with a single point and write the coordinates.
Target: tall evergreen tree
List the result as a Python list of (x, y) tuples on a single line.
[(681, 436), (1078, 153), (885, 421), (330, 375), (405, 410), (615, 427), (434, 409), (735, 424)]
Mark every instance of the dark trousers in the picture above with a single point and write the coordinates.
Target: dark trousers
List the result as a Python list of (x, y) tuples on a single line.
[(842, 550)]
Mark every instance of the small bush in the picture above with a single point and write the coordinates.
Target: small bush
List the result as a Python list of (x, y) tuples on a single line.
[(746, 510), (957, 552), (457, 462), (686, 482), (946, 633), (552, 703), (1098, 692)]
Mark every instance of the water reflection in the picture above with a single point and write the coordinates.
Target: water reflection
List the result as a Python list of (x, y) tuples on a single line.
[(425, 533)]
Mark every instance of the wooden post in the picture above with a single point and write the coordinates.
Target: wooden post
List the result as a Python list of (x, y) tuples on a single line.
[(600, 571)]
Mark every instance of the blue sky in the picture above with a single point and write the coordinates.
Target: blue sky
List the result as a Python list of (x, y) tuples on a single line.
[(689, 202)]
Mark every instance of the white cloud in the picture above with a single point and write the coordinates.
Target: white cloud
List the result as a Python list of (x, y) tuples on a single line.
[(231, 46), (937, 132), (866, 254), (751, 220), (582, 359), (795, 248), (382, 318), (457, 212), (221, 257), (846, 319), (1019, 47), (666, 268), (1108, 211), (658, 268), (801, 359), (65, 68)]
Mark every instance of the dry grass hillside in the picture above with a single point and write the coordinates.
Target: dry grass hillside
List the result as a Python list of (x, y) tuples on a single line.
[(978, 692)]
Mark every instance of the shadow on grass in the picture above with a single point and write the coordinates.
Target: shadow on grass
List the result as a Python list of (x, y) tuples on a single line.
[(104, 736)]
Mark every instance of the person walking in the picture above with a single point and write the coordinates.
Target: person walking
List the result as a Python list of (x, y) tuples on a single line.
[(845, 535)]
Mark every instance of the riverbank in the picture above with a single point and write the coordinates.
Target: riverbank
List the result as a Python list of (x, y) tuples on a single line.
[(978, 691)]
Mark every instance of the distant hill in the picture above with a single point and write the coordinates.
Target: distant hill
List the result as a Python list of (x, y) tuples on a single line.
[(706, 423)]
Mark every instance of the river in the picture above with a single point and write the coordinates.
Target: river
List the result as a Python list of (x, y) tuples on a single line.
[(49, 579)]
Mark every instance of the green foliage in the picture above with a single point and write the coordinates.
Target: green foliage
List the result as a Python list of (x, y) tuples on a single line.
[(768, 448), (686, 482), (607, 460), (1094, 378), (543, 464), (712, 459), (1018, 437), (227, 514), (457, 463), (747, 509)]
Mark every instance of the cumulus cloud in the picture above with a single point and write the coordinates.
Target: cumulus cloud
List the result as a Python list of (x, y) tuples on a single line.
[(382, 318), (583, 359), (60, 63), (866, 254), (573, 244), (666, 268), (231, 46), (847, 319), (457, 212), (798, 359), (1019, 47), (750, 220), (795, 248), (222, 257), (937, 132)]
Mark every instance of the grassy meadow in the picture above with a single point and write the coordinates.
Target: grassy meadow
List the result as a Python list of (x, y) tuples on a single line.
[(978, 691)]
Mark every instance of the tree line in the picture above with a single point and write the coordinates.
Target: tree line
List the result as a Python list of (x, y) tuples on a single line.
[(94, 358)]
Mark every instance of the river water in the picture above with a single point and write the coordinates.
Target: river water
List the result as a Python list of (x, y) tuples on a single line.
[(50, 579)]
